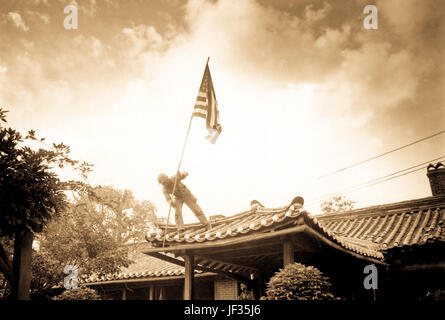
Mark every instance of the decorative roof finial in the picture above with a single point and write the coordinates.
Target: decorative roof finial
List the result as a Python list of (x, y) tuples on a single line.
[(255, 204), (297, 202)]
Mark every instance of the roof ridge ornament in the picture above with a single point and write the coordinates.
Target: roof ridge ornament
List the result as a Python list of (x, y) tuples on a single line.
[(255, 204), (436, 166), (297, 203), (436, 177)]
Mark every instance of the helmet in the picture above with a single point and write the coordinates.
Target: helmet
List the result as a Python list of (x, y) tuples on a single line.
[(162, 178)]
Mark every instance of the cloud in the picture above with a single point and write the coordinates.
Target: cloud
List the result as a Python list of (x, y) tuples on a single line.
[(379, 77), (43, 17), (16, 19), (37, 2), (140, 39), (89, 46), (296, 89), (282, 45), (417, 24), (87, 7)]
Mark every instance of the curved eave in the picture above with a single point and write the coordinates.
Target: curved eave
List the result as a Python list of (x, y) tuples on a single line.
[(262, 225), (146, 279)]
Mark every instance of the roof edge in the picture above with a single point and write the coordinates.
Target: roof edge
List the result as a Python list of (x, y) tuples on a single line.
[(420, 202)]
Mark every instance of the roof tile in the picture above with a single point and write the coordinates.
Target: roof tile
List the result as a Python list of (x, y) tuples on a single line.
[(366, 231)]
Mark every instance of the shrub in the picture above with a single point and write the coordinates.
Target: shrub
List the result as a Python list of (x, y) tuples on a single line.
[(245, 293), (434, 295), (299, 282), (82, 293)]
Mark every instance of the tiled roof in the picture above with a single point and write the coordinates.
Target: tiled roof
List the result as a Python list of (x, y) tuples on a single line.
[(368, 231), (406, 223), (259, 221), (144, 267)]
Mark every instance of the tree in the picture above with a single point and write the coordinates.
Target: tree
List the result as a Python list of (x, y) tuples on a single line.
[(31, 194), (299, 282), (337, 204), (127, 218), (91, 234)]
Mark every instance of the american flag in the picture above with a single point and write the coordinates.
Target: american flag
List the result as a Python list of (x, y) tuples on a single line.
[(206, 106)]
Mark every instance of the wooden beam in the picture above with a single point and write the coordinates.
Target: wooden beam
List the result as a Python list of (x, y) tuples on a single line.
[(244, 249), (189, 261), (205, 262), (288, 252), (252, 259), (424, 266), (237, 277)]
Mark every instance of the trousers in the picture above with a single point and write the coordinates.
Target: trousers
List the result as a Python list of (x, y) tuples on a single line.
[(196, 209)]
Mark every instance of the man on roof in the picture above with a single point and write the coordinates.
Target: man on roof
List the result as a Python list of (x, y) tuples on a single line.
[(182, 195)]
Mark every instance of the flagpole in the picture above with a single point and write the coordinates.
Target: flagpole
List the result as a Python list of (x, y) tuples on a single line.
[(177, 172), (176, 179)]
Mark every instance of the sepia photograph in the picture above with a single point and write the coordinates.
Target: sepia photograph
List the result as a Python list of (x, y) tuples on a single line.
[(238, 151)]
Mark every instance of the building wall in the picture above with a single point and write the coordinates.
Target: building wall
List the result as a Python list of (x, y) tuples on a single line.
[(226, 289)]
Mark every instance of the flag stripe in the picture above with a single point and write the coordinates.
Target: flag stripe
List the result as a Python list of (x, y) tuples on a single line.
[(201, 115), (202, 105), (200, 109)]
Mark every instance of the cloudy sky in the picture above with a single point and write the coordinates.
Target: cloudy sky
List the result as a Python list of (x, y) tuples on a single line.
[(303, 90)]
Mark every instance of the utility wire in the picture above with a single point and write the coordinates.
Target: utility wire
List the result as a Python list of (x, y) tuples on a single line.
[(382, 179), (381, 155)]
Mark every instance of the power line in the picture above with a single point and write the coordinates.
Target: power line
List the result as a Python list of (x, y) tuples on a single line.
[(400, 175), (392, 174), (381, 155), (382, 179)]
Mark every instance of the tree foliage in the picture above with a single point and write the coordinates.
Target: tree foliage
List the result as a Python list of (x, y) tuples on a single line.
[(82, 293), (93, 234), (88, 231), (245, 293), (299, 282), (337, 204), (31, 193)]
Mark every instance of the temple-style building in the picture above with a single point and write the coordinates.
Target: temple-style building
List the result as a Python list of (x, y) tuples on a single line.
[(405, 241)]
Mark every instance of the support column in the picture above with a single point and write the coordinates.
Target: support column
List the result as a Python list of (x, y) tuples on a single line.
[(189, 261), (151, 292), (124, 293), (162, 293), (288, 252)]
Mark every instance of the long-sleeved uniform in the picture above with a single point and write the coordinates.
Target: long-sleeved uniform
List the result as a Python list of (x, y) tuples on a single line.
[(182, 195)]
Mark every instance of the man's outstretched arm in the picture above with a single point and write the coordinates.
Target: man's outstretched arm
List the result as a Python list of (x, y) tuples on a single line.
[(167, 196), (182, 175)]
